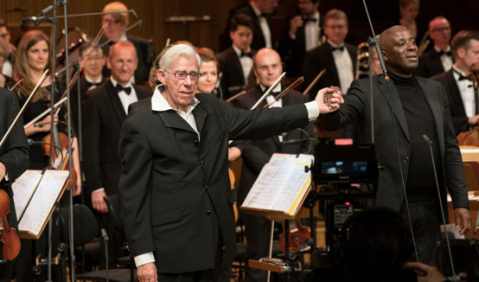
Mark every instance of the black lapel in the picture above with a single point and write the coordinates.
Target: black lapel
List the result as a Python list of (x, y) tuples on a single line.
[(141, 93), (332, 65), (200, 115), (258, 95), (115, 102), (395, 105), (455, 93), (435, 106), (172, 120), (353, 55), (237, 63), (436, 59)]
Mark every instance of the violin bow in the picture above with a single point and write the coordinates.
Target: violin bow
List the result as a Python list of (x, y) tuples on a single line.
[(286, 91), (16, 85), (318, 77), (269, 90)]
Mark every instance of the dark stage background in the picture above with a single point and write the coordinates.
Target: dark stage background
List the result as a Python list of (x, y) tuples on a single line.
[(463, 14)]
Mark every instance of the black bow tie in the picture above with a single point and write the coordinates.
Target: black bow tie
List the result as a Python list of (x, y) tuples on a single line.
[(249, 54), (90, 84), (309, 20), (448, 53), (120, 88), (462, 77), (336, 48)]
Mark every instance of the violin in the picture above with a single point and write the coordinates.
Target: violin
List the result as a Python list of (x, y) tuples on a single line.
[(9, 238), (298, 234)]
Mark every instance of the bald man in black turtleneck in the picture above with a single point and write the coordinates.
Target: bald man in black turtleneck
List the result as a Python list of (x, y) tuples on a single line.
[(414, 107)]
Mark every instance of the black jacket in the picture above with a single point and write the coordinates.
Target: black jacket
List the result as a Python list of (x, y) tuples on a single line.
[(175, 191), (458, 112), (102, 119), (430, 64), (357, 108), (321, 58), (232, 81)]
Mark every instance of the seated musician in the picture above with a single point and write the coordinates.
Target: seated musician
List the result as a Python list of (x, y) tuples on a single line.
[(463, 101), (256, 153), (7, 68)]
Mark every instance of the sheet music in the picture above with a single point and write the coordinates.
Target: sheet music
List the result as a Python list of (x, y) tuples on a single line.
[(23, 189), (43, 200), (279, 183)]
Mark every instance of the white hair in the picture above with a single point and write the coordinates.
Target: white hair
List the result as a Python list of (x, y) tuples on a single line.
[(174, 53)]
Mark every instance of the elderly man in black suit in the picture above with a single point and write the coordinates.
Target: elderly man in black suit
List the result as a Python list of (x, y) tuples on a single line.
[(259, 11), (463, 99), (303, 34), (114, 25), (175, 193), (256, 153), (336, 56), (440, 58), (104, 113), (14, 159), (419, 107), (236, 62)]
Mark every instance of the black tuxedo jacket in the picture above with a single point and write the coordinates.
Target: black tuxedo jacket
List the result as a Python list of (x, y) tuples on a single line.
[(102, 119), (15, 154), (258, 37), (232, 81), (175, 192), (293, 51), (430, 64), (356, 108), (458, 112), (321, 58), (145, 53), (257, 153)]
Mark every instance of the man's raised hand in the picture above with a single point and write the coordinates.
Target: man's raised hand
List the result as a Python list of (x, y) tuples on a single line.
[(328, 100)]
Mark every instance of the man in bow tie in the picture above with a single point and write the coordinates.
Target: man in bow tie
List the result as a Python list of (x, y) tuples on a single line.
[(236, 62), (463, 100), (336, 56), (104, 112), (440, 58), (256, 153), (303, 34)]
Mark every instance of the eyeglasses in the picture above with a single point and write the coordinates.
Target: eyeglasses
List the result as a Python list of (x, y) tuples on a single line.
[(120, 64), (110, 22), (181, 75), (335, 26), (441, 29)]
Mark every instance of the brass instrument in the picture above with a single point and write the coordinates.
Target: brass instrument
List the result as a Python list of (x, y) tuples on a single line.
[(424, 43), (362, 61)]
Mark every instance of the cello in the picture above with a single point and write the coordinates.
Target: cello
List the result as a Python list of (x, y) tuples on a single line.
[(9, 239)]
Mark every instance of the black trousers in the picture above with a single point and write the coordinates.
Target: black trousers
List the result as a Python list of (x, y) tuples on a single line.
[(426, 220)]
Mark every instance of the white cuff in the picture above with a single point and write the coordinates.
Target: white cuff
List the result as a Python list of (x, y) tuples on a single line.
[(144, 259), (293, 37), (313, 110), (6, 177), (98, 190)]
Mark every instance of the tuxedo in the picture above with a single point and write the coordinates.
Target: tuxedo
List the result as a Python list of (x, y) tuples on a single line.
[(259, 41), (430, 64), (233, 80), (456, 104), (293, 51), (15, 156), (255, 154), (102, 119), (145, 54), (175, 193), (321, 58)]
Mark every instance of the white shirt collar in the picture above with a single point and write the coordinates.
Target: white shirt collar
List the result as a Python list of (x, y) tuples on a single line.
[(255, 9), (238, 51), (439, 49), (334, 45), (114, 82), (459, 71), (159, 103), (276, 89), (97, 81)]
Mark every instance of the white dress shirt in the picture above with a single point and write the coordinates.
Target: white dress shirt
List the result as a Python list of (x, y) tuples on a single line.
[(7, 69), (311, 33), (446, 60), (246, 62), (467, 93), (264, 25), (277, 104), (125, 100), (159, 103), (91, 81), (344, 66)]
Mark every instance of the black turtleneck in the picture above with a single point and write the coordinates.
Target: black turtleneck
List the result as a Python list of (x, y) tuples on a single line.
[(421, 184)]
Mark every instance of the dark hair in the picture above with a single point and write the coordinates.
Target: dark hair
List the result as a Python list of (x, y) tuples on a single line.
[(315, 1), (207, 55), (405, 3), (3, 23), (376, 239), (85, 45), (337, 15), (463, 40), (240, 19)]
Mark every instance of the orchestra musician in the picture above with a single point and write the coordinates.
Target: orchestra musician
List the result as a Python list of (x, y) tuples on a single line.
[(440, 58), (175, 192), (114, 25), (257, 153), (303, 34), (104, 113), (463, 100), (5, 81), (7, 68), (208, 71), (336, 56), (32, 60), (408, 10), (14, 158), (236, 62), (419, 107)]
